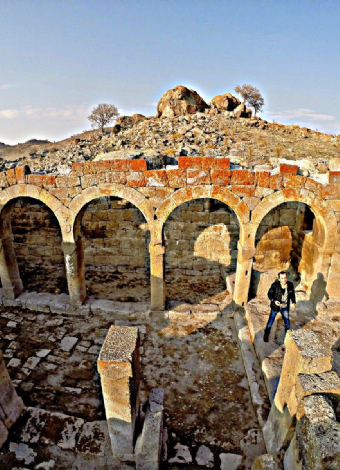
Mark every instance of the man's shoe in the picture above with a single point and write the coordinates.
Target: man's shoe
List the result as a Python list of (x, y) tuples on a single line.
[(266, 335)]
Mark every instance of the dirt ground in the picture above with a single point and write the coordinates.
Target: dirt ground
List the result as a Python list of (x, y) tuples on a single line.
[(193, 356)]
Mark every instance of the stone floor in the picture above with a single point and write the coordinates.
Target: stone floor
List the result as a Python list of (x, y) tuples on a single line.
[(191, 351)]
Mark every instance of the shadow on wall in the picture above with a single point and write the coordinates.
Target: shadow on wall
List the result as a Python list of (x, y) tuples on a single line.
[(201, 238)]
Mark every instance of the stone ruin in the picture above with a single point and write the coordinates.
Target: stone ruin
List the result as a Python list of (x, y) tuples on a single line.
[(190, 243)]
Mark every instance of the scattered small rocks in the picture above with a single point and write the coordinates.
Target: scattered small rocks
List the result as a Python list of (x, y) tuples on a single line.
[(230, 461), (205, 457), (183, 454)]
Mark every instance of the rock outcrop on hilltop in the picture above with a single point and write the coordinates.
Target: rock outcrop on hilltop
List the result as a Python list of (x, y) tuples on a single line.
[(180, 101), (185, 125), (126, 122), (226, 102)]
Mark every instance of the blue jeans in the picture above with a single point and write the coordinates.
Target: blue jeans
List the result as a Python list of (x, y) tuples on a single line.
[(285, 315)]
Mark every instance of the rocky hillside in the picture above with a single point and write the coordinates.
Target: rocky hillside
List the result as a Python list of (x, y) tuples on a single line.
[(185, 125)]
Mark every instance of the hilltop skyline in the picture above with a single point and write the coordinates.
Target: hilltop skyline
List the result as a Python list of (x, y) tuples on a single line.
[(62, 59)]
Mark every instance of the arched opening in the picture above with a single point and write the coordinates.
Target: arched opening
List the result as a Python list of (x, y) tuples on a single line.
[(287, 238), (117, 265), (201, 250), (37, 244)]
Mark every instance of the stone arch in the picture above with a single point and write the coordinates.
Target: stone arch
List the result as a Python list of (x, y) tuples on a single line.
[(39, 256), (31, 191), (108, 189), (320, 209), (312, 251), (216, 257), (112, 236), (197, 192)]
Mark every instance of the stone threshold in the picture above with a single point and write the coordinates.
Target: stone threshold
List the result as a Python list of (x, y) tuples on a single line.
[(60, 304)]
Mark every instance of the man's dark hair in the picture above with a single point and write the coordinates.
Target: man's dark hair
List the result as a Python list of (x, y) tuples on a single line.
[(280, 273)]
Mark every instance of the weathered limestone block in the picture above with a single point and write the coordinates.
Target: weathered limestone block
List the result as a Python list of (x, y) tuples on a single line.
[(266, 462), (118, 366), (75, 270), (318, 435), (9, 272), (149, 443), (292, 457), (307, 352), (242, 281), (10, 404), (309, 384)]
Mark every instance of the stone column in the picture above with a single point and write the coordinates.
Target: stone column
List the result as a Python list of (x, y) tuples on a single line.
[(243, 274), (75, 270), (10, 404), (157, 250), (10, 277), (118, 366)]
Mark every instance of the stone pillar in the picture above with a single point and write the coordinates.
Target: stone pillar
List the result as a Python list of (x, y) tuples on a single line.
[(9, 272), (118, 366), (157, 251), (10, 404), (75, 270), (243, 274)]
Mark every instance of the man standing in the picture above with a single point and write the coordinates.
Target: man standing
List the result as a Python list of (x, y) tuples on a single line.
[(281, 295)]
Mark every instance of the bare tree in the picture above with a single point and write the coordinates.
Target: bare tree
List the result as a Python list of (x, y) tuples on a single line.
[(251, 95), (102, 115)]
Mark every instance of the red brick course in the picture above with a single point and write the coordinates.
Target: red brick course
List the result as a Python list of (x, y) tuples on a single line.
[(221, 177), (242, 177), (177, 178), (135, 179), (156, 178), (263, 179), (197, 177), (334, 176), (288, 169)]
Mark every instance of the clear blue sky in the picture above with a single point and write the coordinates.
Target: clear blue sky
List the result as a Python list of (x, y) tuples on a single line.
[(58, 59)]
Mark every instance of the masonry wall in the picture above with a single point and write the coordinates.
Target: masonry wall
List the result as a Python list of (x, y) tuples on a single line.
[(274, 238), (201, 248), (37, 243), (116, 250)]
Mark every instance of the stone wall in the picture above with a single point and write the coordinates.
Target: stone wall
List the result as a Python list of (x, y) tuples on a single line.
[(157, 193), (117, 263), (201, 247), (37, 244)]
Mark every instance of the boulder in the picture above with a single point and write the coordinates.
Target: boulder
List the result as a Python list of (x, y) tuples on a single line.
[(242, 111), (226, 102), (124, 123), (180, 101)]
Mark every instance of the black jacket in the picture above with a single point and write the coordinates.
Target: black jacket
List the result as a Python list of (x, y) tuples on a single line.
[(275, 293)]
